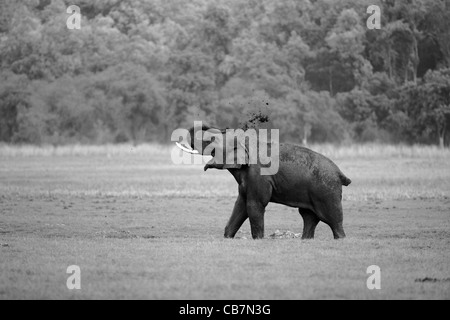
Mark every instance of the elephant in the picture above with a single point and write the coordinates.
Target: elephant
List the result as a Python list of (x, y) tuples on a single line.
[(305, 180)]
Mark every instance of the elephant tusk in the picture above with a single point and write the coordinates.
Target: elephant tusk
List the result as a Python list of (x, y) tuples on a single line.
[(179, 145)]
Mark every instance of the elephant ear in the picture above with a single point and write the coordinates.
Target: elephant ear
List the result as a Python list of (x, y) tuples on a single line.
[(230, 151)]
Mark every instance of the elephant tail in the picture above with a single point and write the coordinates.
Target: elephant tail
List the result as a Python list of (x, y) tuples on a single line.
[(345, 181)]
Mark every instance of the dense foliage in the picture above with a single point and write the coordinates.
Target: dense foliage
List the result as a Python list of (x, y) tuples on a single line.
[(138, 69)]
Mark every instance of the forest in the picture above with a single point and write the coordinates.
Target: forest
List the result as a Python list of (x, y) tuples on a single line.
[(138, 69)]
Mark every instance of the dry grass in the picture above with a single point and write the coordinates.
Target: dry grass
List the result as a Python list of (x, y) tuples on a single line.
[(378, 172), (12, 151), (380, 151), (358, 151)]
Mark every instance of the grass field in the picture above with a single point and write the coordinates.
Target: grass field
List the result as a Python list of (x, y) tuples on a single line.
[(141, 227)]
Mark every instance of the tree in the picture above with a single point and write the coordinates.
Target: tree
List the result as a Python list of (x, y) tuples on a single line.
[(395, 48), (13, 97), (216, 37), (191, 82), (304, 113), (426, 107), (436, 101), (346, 41), (437, 30)]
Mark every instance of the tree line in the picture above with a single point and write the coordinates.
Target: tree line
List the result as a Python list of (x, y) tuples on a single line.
[(138, 69)]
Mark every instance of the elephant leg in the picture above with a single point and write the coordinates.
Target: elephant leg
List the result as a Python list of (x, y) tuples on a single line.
[(310, 221), (335, 222), (330, 212), (338, 231), (237, 218), (255, 212)]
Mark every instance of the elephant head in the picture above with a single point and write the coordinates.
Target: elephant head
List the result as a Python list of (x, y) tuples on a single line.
[(233, 149)]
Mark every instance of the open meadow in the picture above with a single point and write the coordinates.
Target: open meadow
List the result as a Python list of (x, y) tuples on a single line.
[(142, 227)]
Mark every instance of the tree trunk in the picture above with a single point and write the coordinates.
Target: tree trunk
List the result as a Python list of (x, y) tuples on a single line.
[(330, 74), (305, 136), (415, 63), (389, 62), (306, 132), (406, 74), (441, 133)]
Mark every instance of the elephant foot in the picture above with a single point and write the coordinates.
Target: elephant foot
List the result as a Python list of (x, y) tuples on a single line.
[(338, 231), (229, 233), (257, 229), (228, 236), (259, 234), (307, 236)]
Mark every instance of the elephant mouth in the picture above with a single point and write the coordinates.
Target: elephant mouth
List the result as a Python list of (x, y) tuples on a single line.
[(186, 149)]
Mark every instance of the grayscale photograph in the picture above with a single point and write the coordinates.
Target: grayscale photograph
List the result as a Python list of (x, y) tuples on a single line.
[(225, 155)]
